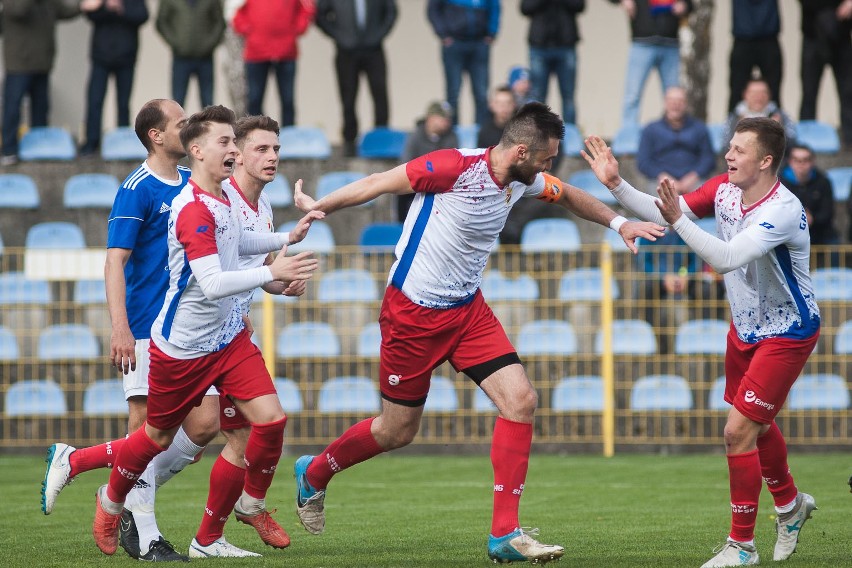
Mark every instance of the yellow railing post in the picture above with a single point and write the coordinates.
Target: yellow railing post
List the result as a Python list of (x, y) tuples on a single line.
[(268, 340), (607, 363)]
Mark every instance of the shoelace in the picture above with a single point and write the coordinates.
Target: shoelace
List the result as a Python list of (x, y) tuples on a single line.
[(162, 545), (529, 533)]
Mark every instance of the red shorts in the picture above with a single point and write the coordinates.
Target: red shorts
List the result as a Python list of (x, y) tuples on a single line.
[(230, 417), (759, 375), (415, 340), (176, 386)]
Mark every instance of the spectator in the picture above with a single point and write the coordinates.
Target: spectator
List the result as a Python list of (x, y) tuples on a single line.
[(757, 101), (193, 29), (29, 46), (654, 31), (271, 29), (519, 84), (467, 29), (358, 28), (502, 106), (552, 39), (826, 28), (677, 146), (114, 46), (756, 25)]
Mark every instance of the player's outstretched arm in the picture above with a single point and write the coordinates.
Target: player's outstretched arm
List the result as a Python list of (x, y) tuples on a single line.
[(394, 181)]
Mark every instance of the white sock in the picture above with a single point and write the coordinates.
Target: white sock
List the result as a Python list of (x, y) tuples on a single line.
[(787, 508), (250, 505), (107, 505), (180, 454), (749, 543), (140, 502)]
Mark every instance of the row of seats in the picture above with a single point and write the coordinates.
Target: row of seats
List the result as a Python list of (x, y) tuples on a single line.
[(360, 394)]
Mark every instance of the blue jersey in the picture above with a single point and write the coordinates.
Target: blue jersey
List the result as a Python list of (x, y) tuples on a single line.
[(139, 222)]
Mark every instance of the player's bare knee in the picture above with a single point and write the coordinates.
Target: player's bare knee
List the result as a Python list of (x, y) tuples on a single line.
[(520, 407)]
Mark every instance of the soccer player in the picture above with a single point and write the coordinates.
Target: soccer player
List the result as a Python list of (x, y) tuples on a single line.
[(433, 310), (763, 250)]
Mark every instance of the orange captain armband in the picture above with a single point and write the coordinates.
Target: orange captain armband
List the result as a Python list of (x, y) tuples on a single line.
[(553, 188)]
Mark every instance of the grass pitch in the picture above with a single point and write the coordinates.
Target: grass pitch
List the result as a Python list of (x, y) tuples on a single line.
[(411, 511)]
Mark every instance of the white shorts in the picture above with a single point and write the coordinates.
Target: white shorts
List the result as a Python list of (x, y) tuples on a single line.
[(136, 382)]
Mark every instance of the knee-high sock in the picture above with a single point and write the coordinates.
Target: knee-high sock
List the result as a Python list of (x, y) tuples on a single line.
[(510, 455), (180, 454), (263, 450), (354, 446), (226, 485), (94, 457), (745, 480), (773, 466), (131, 461)]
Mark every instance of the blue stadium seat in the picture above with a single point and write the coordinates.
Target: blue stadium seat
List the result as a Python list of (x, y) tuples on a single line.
[(820, 136), (580, 393), (55, 235), (348, 394), (843, 339), (481, 402), (588, 182), (554, 234), (289, 395), (104, 397), (303, 142), (8, 345), (585, 285), (67, 341), (716, 396), (90, 190), (717, 136), (18, 191), (572, 142), (702, 337), (841, 182), (35, 398), (467, 135), (347, 285), (90, 292), (629, 337), (547, 337), (333, 181), (121, 143), (379, 237), (626, 141), (320, 239), (832, 284), (47, 143), (661, 392), (279, 192), (497, 287), (369, 340), (442, 396), (382, 143), (307, 339), (15, 288), (819, 391)]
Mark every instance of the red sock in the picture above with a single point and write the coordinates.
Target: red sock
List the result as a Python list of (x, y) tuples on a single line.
[(138, 450), (263, 450), (94, 457), (226, 486), (745, 480), (773, 466), (510, 456), (354, 446)]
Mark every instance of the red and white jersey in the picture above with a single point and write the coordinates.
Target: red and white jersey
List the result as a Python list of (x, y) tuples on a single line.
[(772, 296), (453, 224), (257, 219), (189, 325)]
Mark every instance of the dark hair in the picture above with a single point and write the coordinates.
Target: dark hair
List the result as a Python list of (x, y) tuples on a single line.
[(246, 124), (199, 123), (800, 146), (150, 116), (534, 124), (770, 137)]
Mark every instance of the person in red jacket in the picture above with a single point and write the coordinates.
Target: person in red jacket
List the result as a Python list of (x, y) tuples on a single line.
[(271, 29)]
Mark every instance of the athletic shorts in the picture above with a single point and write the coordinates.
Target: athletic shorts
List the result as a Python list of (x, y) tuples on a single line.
[(176, 386), (416, 339), (759, 375), (136, 381), (230, 417)]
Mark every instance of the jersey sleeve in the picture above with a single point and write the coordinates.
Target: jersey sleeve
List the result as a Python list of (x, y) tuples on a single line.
[(776, 225), (129, 211), (195, 229), (702, 201), (435, 172)]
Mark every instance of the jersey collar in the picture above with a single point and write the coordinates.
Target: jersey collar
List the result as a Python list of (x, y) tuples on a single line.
[(760, 201)]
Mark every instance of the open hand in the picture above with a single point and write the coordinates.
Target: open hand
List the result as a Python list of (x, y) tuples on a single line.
[(289, 268), (632, 230), (603, 163), (300, 231), (669, 201), (302, 200)]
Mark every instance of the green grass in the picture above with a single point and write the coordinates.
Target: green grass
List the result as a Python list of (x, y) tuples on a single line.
[(403, 510)]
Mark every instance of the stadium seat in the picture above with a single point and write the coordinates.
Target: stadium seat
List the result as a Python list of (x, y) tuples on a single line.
[(121, 143), (626, 141), (369, 340), (707, 224), (467, 135), (104, 397), (580, 393), (572, 142), (289, 395), (497, 287), (90, 292), (843, 339), (303, 142), (585, 285), (717, 136), (702, 337), (716, 396), (442, 396), (320, 239), (841, 182), (821, 137), (35, 398), (380, 237), (331, 181), (546, 235), (547, 337), (348, 394), (382, 143), (8, 345), (308, 339), (588, 182), (90, 190), (55, 235), (629, 337), (67, 341), (18, 191), (347, 285), (16, 289), (279, 192), (47, 143), (832, 284), (819, 392), (481, 402), (661, 392)]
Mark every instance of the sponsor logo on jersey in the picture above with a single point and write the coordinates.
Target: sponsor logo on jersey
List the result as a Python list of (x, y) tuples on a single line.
[(751, 398), (429, 166), (767, 225), (165, 208), (202, 229)]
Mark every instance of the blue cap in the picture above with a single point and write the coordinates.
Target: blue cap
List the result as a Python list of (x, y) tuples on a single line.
[(518, 73)]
